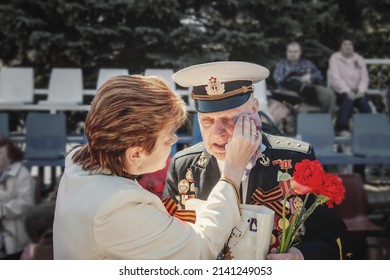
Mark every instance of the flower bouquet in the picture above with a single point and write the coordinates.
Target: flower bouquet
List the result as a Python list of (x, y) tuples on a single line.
[(309, 178)]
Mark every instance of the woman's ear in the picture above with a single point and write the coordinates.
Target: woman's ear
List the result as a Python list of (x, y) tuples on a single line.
[(134, 156)]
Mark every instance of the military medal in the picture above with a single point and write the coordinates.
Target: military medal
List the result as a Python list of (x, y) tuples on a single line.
[(283, 164), (273, 239), (183, 186), (189, 175), (298, 203), (286, 223), (283, 176)]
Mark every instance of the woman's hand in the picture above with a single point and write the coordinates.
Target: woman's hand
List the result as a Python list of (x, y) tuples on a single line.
[(241, 146)]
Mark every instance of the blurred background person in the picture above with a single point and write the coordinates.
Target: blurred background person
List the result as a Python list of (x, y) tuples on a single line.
[(348, 77), (39, 227), (277, 117), (17, 191), (302, 76)]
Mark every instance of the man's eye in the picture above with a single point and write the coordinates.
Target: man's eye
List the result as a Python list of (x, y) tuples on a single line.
[(207, 121)]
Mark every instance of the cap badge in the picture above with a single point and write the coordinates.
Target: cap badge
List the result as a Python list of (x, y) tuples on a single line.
[(215, 87)]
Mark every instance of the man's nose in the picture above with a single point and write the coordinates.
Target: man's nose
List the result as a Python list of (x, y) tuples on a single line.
[(221, 128)]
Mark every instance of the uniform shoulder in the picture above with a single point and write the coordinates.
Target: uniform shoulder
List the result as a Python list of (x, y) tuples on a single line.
[(287, 143), (190, 151)]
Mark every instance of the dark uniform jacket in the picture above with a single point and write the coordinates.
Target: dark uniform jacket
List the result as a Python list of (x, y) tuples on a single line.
[(193, 173)]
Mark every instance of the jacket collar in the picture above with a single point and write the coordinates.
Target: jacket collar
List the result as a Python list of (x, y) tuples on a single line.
[(205, 173), (14, 168)]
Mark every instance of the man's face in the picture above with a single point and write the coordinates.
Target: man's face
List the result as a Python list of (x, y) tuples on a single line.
[(293, 53), (217, 127)]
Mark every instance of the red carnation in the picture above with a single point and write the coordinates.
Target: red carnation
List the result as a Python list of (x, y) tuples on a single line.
[(309, 173), (333, 188), (299, 188)]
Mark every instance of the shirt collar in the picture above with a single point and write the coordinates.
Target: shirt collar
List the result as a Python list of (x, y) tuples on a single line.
[(13, 168)]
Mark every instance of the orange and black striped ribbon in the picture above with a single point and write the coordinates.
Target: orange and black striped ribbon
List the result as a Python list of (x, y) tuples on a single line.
[(173, 210), (272, 198)]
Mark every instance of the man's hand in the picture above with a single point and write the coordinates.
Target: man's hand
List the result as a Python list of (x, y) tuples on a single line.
[(292, 254), (306, 79)]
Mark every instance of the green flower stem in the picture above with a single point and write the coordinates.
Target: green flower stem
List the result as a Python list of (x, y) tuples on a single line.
[(291, 229), (289, 235), (283, 241), (321, 199), (296, 223), (298, 227)]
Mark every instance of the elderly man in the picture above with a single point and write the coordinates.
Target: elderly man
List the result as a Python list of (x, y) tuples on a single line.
[(302, 76), (223, 90)]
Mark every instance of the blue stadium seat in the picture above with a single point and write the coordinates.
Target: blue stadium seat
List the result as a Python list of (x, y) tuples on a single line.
[(196, 135), (371, 137), (317, 129), (173, 150), (4, 125), (46, 137)]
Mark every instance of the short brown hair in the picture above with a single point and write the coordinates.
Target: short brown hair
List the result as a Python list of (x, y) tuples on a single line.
[(128, 111), (15, 154)]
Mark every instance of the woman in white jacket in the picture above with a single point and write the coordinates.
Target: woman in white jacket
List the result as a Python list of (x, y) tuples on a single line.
[(16, 196), (101, 210)]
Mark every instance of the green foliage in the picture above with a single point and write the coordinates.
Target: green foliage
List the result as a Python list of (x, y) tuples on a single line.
[(132, 34), (176, 33)]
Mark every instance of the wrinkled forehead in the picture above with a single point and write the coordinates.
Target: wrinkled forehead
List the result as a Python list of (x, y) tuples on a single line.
[(227, 113)]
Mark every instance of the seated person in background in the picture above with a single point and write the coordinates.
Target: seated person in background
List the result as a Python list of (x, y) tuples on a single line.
[(280, 105), (39, 227), (302, 76), (348, 77), (16, 195)]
